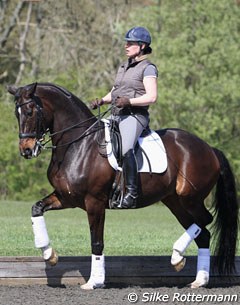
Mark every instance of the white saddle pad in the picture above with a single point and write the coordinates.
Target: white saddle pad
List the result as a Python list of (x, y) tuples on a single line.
[(151, 144)]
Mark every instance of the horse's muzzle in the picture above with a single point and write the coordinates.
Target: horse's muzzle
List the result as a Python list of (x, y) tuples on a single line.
[(29, 148)]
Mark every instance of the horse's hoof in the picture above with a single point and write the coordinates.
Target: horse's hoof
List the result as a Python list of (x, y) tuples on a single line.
[(179, 266), (197, 284), (201, 280), (90, 286), (53, 259)]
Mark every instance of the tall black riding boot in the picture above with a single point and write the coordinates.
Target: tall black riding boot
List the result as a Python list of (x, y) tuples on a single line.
[(131, 180)]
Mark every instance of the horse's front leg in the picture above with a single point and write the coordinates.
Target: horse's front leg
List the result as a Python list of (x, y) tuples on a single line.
[(96, 218), (41, 238)]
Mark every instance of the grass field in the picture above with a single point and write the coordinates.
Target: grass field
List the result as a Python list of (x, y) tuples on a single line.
[(148, 231)]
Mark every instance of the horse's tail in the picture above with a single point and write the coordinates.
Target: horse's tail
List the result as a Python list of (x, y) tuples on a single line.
[(225, 227)]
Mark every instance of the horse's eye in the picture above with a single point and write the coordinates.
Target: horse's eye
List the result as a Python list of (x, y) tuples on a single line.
[(29, 112)]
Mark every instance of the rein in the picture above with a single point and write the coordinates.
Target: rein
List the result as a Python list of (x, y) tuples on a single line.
[(86, 133)]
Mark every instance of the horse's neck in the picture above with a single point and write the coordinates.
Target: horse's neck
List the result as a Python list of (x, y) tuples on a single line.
[(70, 123), (71, 120), (71, 115), (66, 112)]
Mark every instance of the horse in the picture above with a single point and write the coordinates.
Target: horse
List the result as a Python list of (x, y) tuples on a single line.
[(82, 177)]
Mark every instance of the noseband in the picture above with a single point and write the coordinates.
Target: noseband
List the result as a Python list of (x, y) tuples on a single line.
[(38, 134)]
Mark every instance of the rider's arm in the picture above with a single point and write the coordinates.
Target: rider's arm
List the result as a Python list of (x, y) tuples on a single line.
[(150, 97), (108, 97), (150, 85)]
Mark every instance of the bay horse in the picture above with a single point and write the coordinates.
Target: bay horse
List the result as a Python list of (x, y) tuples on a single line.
[(82, 177)]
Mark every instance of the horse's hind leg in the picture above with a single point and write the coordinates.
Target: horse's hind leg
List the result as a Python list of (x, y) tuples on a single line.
[(203, 260), (41, 238), (194, 221), (192, 230), (202, 217)]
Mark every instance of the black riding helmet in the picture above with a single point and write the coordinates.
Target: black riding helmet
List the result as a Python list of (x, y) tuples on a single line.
[(138, 34)]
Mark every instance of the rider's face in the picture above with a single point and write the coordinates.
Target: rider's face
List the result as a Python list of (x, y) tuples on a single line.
[(132, 48)]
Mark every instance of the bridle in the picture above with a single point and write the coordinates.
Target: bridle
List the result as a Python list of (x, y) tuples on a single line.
[(40, 128)]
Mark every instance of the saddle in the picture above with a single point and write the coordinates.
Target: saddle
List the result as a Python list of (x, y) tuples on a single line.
[(149, 151), (116, 141)]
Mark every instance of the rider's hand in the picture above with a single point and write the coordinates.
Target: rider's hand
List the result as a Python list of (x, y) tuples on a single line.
[(122, 102), (96, 103)]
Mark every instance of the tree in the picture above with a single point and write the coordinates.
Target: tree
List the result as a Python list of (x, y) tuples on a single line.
[(78, 44), (196, 47)]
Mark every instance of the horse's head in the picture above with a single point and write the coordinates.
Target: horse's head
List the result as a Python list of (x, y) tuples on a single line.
[(29, 112)]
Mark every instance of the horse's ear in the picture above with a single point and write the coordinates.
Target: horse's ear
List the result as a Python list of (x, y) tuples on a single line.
[(31, 89), (12, 89)]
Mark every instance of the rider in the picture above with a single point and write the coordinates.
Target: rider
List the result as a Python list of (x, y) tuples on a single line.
[(135, 88)]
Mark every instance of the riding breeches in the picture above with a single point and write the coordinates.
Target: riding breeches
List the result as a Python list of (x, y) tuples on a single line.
[(131, 127)]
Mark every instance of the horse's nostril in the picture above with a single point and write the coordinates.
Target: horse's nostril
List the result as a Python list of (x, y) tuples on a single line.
[(27, 152)]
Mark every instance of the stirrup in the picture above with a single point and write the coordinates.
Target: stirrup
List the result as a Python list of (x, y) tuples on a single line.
[(116, 204), (128, 202)]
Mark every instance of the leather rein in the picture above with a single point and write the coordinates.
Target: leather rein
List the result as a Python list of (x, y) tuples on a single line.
[(41, 131)]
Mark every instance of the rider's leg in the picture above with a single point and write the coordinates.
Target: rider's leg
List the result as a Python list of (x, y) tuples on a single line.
[(130, 128), (130, 173)]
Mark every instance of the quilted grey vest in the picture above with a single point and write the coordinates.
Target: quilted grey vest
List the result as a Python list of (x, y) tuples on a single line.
[(129, 83)]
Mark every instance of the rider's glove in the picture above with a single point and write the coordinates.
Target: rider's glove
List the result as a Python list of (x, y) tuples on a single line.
[(96, 103), (122, 102)]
